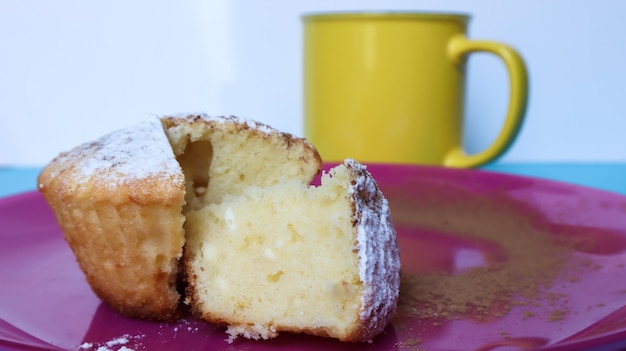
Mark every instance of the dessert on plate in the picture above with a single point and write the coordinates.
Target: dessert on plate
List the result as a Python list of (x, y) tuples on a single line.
[(219, 213)]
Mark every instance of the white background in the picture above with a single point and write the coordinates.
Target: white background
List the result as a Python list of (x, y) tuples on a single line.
[(72, 70)]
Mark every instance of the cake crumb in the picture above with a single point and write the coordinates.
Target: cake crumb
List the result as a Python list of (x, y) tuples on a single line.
[(525, 266), (412, 342), (557, 315)]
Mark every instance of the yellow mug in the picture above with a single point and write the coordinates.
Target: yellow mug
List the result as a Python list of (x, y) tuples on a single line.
[(389, 88)]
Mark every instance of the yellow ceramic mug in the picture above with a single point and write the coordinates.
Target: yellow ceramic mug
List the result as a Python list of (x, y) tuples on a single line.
[(389, 87)]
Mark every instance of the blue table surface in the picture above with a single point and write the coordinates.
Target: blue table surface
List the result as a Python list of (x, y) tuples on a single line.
[(606, 176)]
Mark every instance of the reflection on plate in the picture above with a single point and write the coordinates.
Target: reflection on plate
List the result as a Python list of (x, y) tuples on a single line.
[(490, 262)]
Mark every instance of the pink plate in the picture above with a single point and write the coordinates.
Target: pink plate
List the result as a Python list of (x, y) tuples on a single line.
[(45, 303)]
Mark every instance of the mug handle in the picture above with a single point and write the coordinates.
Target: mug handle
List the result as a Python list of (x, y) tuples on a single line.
[(458, 48)]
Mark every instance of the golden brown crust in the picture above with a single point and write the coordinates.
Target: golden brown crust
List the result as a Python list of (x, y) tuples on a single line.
[(125, 230)]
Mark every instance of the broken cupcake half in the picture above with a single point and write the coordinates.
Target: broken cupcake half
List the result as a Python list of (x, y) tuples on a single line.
[(225, 205)]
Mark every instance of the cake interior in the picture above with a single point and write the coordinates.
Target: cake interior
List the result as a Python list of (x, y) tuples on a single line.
[(256, 259), (254, 237), (220, 161)]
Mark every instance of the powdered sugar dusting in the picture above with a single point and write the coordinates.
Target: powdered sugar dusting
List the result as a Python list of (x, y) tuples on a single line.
[(379, 258), (122, 343), (139, 151), (136, 152)]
